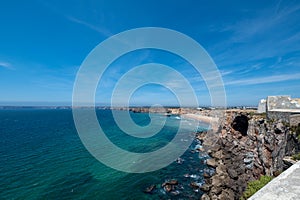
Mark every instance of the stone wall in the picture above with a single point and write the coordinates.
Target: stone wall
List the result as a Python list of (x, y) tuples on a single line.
[(274, 115), (279, 102)]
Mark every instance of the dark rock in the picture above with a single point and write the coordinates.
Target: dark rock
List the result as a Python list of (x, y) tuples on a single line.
[(173, 182), (194, 185), (288, 161), (205, 188), (247, 160), (277, 131), (206, 175), (167, 188), (261, 121), (232, 185), (232, 173), (170, 182), (227, 195), (150, 189), (241, 169), (276, 173), (269, 147), (179, 161), (240, 123)]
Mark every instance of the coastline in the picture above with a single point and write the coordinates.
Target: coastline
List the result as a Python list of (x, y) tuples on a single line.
[(231, 157)]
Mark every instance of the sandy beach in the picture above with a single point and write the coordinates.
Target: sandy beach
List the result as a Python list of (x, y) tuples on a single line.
[(203, 118), (214, 122)]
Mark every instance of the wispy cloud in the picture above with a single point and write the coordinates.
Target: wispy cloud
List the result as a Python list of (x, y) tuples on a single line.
[(226, 72), (267, 79), (6, 65), (260, 34), (266, 20), (102, 30)]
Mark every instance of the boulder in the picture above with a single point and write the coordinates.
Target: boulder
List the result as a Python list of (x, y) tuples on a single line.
[(150, 189), (170, 182), (167, 188), (173, 182), (205, 188), (205, 197), (221, 169), (218, 154), (206, 175), (227, 195), (211, 162), (232, 173), (194, 185)]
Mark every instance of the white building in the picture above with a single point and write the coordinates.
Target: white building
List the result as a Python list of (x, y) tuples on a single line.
[(262, 106)]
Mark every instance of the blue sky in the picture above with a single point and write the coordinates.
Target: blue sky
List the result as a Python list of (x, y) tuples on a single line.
[(255, 45)]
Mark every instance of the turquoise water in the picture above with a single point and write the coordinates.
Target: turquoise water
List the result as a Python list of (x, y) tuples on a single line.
[(42, 157)]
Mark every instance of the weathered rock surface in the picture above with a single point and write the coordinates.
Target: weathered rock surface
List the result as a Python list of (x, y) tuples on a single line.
[(211, 163), (244, 151)]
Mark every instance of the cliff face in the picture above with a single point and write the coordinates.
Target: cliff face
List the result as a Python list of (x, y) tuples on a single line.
[(239, 157)]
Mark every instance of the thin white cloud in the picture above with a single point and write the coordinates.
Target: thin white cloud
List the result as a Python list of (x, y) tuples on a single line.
[(102, 30), (264, 22), (6, 65), (268, 79), (226, 72), (263, 34), (57, 10)]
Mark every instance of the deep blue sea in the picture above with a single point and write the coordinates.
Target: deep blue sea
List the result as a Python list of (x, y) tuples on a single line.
[(42, 157)]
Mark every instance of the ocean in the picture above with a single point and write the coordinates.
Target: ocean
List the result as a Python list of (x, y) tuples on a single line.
[(42, 157)]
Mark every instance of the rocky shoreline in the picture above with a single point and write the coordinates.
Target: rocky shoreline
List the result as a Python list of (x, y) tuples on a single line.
[(189, 177), (239, 157), (244, 147)]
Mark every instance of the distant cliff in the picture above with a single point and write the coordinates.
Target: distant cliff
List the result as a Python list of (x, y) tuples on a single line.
[(245, 148)]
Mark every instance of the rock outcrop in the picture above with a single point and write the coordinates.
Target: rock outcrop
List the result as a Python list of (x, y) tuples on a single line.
[(245, 148)]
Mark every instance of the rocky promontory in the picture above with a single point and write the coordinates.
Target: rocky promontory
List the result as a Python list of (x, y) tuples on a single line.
[(246, 147)]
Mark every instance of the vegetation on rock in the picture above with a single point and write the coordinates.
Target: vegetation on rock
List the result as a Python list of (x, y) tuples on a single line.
[(254, 186), (296, 156)]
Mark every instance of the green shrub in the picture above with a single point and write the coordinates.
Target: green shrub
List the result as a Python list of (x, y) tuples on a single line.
[(296, 156), (254, 186)]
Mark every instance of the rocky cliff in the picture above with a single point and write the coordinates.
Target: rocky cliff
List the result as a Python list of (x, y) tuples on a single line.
[(245, 148)]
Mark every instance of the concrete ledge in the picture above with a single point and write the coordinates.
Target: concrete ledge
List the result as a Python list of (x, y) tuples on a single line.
[(286, 186)]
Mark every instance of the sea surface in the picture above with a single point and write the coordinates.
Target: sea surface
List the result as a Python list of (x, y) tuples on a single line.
[(42, 157)]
